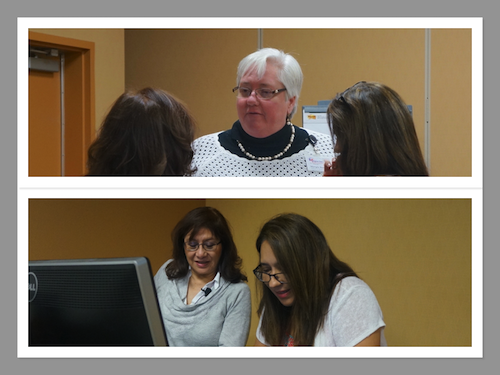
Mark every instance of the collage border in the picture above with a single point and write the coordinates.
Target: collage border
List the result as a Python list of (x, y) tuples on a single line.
[(168, 188)]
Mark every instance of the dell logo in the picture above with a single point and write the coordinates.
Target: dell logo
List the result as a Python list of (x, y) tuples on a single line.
[(32, 286)]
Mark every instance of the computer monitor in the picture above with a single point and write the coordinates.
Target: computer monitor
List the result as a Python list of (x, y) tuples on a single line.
[(94, 302)]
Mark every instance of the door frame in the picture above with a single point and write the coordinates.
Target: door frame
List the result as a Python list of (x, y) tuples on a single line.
[(79, 97)]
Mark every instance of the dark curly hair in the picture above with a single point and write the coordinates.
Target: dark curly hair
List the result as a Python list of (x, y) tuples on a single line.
[(146, 132)]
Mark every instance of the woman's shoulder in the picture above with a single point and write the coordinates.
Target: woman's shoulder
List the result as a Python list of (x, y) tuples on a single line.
[(164, 265), (208, 138), (353, 296), (240, 285), (318, 135), (323, 142), (160, 274), (352, 281), (206, 145), (351, 285), (236, 294), (239, 288)]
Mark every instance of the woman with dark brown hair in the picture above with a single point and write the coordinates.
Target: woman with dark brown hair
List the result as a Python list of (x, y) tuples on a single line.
[(309, 297), (202, 292), (146, 133), (374, 134)]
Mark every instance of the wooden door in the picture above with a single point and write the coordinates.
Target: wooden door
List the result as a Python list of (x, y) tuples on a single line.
[(45, 156), (53, 151)]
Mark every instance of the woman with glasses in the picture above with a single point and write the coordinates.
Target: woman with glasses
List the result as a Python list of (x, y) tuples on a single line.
[(309, 297), (264, 142), (375, 134), (146, 133), (202, 292)]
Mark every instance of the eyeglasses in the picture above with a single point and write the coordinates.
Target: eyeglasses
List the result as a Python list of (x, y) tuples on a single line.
[(342, 99), (207, 245), (266, 277), (341, 96), (266, 94)]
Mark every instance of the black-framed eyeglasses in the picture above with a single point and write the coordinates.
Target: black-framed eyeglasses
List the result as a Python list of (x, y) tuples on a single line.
[(207, 245), (266, 94), (266, 277)]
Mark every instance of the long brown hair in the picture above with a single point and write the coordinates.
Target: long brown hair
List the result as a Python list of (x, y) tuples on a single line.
[(312, 271), (211, 219), (147, 132), (374, 132)]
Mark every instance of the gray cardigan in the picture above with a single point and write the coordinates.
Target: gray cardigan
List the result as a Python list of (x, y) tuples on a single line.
[(221, 319)]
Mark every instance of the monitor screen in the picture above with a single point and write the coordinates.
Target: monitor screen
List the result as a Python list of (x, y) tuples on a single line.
[(94, 302)]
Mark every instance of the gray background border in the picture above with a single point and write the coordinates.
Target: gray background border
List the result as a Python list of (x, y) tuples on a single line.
[(256, 8)]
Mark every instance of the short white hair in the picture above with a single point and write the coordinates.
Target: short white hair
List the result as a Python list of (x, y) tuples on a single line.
[(289, 71)]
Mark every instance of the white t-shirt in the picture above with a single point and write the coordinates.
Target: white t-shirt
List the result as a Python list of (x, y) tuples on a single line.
[(354, 315)]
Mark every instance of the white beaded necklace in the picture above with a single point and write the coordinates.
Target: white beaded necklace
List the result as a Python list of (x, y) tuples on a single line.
[(267, 158)]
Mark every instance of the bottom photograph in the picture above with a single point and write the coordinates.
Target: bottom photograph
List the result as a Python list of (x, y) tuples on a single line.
[(250, 272)]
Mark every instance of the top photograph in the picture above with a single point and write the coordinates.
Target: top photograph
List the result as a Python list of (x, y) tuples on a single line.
[(252, 102)]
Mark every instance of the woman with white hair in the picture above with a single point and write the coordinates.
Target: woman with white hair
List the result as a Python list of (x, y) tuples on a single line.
[(264, 142)]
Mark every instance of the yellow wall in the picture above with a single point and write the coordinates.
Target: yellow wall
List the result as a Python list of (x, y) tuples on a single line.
[(104, 228), (333, 60), (109, 63), (414, 253), (451, 108)]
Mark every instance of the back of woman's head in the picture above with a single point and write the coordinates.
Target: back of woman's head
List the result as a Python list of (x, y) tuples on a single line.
[(146, 132), (375, 133), (211, 219), (289, 71)]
